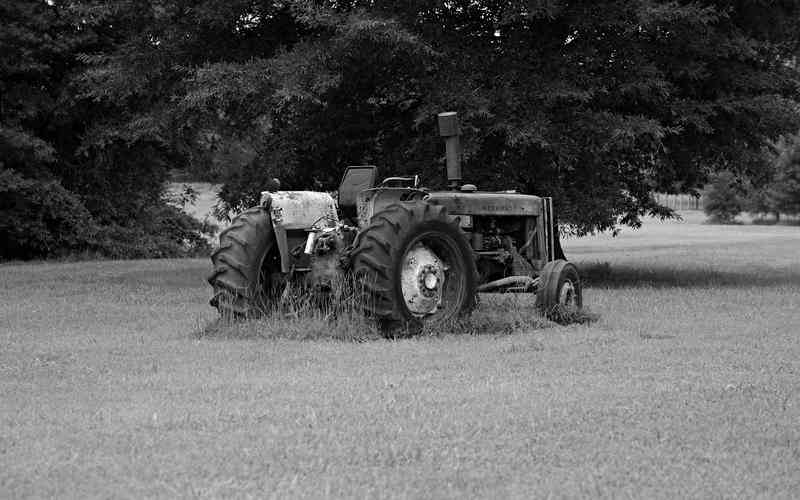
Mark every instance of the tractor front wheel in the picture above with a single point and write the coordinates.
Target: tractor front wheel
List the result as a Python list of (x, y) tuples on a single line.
[(560, 293), (415, 267)]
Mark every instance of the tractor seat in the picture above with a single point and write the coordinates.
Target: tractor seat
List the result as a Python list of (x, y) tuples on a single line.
[(355, 179)]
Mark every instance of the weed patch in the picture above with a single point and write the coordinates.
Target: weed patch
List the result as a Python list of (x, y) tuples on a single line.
[(301, 314), (572, 316), (305, 317)]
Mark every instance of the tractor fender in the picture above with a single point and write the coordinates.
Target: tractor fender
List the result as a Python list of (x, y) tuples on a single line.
[(297, 211)]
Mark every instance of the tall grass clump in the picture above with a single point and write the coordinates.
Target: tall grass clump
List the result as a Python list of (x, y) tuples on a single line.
[(301, 313)]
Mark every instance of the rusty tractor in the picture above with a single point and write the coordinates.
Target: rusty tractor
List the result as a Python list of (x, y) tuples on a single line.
[(420, 256)]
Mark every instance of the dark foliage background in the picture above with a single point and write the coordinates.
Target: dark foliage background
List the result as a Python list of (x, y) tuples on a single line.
[(594, 103)]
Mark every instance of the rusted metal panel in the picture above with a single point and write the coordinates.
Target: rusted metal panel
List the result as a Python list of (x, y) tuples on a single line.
[(298, 210), (302, 209)]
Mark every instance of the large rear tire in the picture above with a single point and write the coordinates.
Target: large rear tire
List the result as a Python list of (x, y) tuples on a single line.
[(242, 265), (415, 268)]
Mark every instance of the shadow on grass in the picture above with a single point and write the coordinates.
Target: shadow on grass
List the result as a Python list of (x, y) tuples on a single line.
[(604, 275), (772, 222)]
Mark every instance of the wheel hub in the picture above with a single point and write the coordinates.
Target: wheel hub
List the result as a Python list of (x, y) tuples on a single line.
[(422, 280), (430, 281), (566, 296)]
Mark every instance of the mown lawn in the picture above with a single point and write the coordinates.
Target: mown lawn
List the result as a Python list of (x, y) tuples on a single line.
[(687, 386)]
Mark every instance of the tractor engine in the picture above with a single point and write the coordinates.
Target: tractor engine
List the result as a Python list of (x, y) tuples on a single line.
[(326, 251), (498, 242)]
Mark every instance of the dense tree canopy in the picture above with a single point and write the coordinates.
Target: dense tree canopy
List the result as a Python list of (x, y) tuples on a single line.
[(66, 185), (594, 103)]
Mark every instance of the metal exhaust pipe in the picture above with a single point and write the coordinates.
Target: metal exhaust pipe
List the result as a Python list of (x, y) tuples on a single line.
[(451, 131)]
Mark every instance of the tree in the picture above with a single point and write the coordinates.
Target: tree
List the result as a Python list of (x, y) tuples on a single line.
[(38, 216), (599, 103), (779, 190), (593, 103), (785, 192), (596, 104), (724, 198), (67, 185)]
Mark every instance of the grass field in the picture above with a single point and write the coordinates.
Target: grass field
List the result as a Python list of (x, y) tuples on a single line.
[(687, 386)]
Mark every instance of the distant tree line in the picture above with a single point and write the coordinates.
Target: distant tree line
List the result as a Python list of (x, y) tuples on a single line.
[(729, 194), (594, 103)]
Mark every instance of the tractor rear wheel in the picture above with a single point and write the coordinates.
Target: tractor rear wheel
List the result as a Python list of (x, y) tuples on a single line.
[(242, 265), (560, 293), (415, 266)]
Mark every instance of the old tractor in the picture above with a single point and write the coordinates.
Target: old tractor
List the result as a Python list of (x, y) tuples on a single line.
[(419, 256)]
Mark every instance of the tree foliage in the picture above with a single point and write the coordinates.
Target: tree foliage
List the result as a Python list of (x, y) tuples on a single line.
[(724, 197), (785, 194), (594, 103), (41, 217), (69, 182)]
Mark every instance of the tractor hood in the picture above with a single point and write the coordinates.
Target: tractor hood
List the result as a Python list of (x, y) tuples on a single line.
[(294, 210), (488, 203)]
